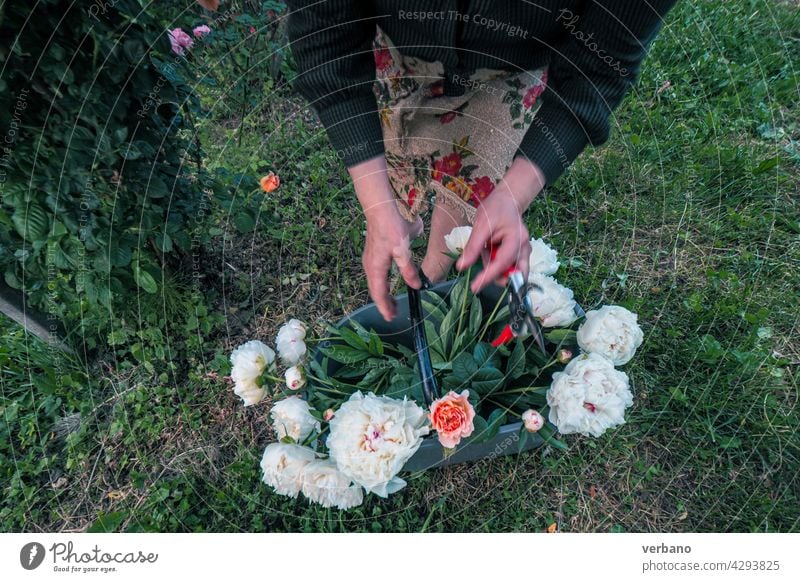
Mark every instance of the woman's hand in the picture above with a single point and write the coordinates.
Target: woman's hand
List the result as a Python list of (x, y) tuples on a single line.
[(499, 223), (389, 235)]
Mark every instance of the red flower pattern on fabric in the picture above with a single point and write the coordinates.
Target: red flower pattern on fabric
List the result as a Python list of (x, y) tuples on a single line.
[(383, 58), (449, 165), (481, 188)]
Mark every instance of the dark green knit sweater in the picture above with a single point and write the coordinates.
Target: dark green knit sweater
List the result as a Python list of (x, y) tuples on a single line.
[(593, 49)]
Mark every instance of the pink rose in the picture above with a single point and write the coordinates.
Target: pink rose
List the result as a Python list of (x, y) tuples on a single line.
[(201, 31), (451, 417), (180, 41)]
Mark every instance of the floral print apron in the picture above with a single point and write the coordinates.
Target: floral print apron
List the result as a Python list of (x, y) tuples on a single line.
[(451, 149)]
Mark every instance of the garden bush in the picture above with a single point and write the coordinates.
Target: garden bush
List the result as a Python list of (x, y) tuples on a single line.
[(101, 174)]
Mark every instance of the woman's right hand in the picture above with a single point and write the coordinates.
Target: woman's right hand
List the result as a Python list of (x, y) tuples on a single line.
[(389, 235)]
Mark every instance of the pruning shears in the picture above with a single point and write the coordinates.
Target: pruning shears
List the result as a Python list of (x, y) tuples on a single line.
[(521, 319)]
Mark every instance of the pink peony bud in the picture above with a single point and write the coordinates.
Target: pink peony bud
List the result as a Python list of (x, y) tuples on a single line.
[(201, 31), (564, 356), (533, 420), (328, 414)]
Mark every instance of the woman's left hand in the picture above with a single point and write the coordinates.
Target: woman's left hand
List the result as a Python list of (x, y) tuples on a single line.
[(499, 223)]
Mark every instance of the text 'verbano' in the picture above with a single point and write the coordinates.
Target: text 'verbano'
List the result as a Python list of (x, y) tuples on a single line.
[(665, 549)]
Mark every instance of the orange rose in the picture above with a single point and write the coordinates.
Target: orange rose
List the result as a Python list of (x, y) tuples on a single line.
[(451, 417), (270, 182)]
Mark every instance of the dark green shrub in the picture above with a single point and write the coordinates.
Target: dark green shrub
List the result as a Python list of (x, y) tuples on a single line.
[(100, 171)]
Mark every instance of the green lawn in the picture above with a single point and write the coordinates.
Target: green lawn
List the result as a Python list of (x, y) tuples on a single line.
[(689, 216)]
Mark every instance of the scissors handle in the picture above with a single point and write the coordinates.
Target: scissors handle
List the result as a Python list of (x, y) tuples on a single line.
[(430, 390)]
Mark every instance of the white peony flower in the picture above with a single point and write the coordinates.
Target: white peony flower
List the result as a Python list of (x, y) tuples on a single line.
[(457, 239), (323, 483), (292, 417), (289, 341), (282, 466), (589, 396), (611, 331), (248, 362), (543, 259), (372, 438), (533, 420), (295, 378), (552, 303)]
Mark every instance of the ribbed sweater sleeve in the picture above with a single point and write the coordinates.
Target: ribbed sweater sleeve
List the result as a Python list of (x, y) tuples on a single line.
[(590, 71), (332, 45)]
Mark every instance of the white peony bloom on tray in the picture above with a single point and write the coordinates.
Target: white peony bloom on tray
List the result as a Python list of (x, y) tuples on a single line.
[(552, 303), (543, 259), (611, 331), (323, 483), (282, 466), (589, 396), (292, 417), (289, 341), (248, 362), (372, 438), (457, 239)]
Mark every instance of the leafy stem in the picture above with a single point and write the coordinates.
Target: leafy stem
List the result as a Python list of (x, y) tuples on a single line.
[(463, 308)]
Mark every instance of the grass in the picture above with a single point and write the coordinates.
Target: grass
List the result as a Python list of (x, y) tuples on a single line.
[(689, 216)]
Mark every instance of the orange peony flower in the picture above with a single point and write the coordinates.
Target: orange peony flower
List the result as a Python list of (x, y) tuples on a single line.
[(270, 182), (451, 417)]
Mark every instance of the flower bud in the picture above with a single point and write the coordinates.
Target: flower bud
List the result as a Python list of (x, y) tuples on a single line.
[(295, 378), (533, 420), (270, 182), (328, 414), (564, 356)]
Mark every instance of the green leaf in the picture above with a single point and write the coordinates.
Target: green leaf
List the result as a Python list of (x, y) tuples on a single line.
[(481, 432), (486, 355), (548, 434), (464, 366), (475, 316), (344, 354), (487, 379), (31, 222), (432, 335), (408, 353), (373, 379), (567, 336), (108, 522), (452, 382), (496, 419), (447, 331), (163, 242), (375, 344), (515, 366), (434, 305), (766, 166), (360, 330), (144, 279), (352, 338), (244, 221)]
